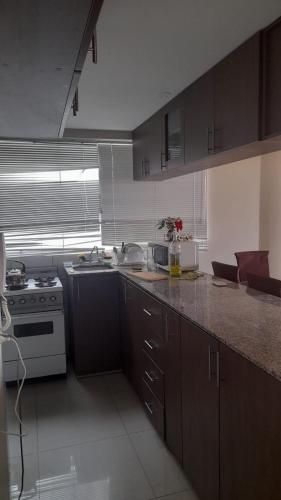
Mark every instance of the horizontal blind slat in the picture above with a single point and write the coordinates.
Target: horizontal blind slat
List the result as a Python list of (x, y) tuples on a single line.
[(49, 196)]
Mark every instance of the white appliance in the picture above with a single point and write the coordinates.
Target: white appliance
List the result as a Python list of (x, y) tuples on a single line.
[(5, 318), (188, 257), (37, 321)]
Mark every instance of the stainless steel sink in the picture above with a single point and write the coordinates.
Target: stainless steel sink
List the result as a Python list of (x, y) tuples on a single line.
[(91, 266)]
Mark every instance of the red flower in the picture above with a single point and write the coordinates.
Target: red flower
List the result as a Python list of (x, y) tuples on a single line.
[(178, 224)]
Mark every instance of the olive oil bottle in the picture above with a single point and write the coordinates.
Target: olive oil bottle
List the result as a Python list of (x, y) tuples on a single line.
[(174, 257)]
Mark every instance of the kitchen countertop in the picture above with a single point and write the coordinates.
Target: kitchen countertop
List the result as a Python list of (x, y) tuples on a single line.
[(244, 319)]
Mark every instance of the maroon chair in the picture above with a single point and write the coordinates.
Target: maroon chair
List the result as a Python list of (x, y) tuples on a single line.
[(255, 262), (266, 285), (225, 271)]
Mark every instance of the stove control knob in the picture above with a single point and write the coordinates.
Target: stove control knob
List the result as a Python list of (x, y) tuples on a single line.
[(32, 300), (11, 302), (53, 298), (22, 301), (42, 299)]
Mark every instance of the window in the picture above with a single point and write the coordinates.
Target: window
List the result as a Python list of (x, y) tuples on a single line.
[(49, 196), (131, 210)]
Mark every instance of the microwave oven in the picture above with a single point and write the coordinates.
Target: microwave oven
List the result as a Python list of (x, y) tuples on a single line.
[(158, 255)]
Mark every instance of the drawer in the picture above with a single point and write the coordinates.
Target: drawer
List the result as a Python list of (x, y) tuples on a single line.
[(153, 376), (153, 345), (151, 311), (153, 409)]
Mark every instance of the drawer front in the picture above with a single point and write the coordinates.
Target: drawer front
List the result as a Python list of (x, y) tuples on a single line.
[(153, 376), (151, 311), (153, 409), (153, 345)]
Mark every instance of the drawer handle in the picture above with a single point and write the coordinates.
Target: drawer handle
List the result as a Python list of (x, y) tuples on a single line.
[(148, 406), (149, 344), (150, 378), (147, 312)]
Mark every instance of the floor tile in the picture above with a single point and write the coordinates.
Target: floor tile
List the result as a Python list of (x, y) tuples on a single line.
[(29, 418), (184, 495), (102, 470), (128, 404), (74, 412), (31, 476), (162, 470)]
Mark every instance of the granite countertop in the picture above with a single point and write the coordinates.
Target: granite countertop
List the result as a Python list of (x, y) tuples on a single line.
[(244, 319)]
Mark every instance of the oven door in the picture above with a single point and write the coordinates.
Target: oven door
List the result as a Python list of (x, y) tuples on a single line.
[(38, 334)]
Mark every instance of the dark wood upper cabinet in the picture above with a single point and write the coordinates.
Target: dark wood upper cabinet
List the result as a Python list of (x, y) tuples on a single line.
[(271, 109), (199, 118), (43, 47), (250, 438), (237, 93), (139, 151), (200, 410), (173, 137), (147, 145)]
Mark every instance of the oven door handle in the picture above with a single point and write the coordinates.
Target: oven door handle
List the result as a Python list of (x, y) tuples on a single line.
[(36, 316)]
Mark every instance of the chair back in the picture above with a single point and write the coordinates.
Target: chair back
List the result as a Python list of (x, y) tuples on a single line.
[(255, 262), (266, 285), (225, 271)]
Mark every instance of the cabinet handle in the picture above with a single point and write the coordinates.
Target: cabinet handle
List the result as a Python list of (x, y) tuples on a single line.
[(150, 376), (142, 169), (147, 374), (148, 406), (125, 293), (163, 161), (149, 344), (78, 290), (210, 134), (147, 312), (218, 368)]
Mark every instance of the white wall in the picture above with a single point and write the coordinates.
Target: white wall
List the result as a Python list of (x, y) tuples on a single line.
[(233, 211), (270, 213)]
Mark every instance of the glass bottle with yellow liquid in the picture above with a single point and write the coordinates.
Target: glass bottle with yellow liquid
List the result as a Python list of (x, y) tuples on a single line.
[(174, 257)]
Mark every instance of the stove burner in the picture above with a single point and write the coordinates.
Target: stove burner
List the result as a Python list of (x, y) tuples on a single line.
[(44, 282), (17, 287)]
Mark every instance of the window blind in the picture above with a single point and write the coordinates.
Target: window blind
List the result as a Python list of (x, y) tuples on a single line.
[(49, 196), (131, 210)]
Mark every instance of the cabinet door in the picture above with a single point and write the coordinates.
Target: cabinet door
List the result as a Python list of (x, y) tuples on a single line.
[(200, 412), (154, 144), (250, 438), (271, 118), (172, 376), (237, 97), (96, 339), (126, 347), (140, 165), (134, 335), (199, 118), (173, 133)]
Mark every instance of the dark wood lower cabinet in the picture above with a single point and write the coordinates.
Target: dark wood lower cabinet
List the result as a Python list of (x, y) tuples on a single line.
[(250, 433), (218, 413), (200, 410), (172, 377), (95, 332)]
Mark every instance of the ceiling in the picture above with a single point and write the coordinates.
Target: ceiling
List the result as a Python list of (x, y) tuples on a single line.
[(150, 50)]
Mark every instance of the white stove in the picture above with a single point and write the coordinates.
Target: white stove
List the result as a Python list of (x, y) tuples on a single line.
[(38, 323), (34, 298)]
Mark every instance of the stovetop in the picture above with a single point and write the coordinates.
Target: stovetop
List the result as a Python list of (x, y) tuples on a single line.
[(33, 286)]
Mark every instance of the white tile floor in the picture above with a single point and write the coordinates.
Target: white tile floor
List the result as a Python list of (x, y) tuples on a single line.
[(89, 439)]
